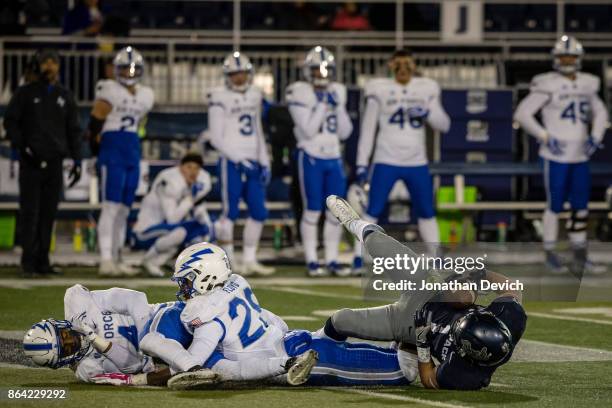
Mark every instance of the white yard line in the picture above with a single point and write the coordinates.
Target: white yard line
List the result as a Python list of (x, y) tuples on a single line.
[(570, 318), (396, 397)]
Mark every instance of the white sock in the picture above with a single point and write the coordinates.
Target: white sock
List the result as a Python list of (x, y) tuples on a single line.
[(428, 228), (120, 230), (309, 229), (225, 235), (106, 229), (250, 369), (578, 240), (357, 249), (332, 232), (251, 236), (550, 226)]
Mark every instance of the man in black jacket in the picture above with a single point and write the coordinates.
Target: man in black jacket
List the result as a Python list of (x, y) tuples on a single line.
[(42, 123)]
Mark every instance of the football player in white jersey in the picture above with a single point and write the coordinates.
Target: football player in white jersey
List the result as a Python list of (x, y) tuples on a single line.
[(574, 120), (220, 325), (173, 213), (399, 108), (119, 107), (234, 122), (321, 121), (98, 339)]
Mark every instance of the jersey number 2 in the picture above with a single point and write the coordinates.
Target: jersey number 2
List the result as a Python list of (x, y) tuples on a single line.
[(245, 338)]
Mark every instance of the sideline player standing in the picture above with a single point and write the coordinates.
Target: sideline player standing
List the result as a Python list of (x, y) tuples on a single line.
[(120, 105), (234, 117), (318, 109), (399, 108), (568, 101)]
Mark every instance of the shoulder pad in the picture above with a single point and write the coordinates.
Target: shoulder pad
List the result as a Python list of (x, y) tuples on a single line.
[(106, 90), (216, 96), (297, 88), (593, 82), (428, 84), (200, 310), (543, 82)]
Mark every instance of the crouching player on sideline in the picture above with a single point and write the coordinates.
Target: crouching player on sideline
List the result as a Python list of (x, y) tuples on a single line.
[(569, 101), (98, 339), (120, 105), (459, 344), (173, 213), (220, 325)]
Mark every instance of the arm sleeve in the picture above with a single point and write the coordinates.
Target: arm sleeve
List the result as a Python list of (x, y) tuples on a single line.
[(77, 301), (525, 113), (600, 118), (206, 338), (126, 302), (274, 320), (368, 130), (12, 120), (216, 113), (73, 129), (307, 120), (173, 213), (345, 125), (438, 118), (88, 368)]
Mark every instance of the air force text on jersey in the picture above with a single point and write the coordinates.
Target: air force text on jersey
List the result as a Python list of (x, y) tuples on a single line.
[(481, 286)]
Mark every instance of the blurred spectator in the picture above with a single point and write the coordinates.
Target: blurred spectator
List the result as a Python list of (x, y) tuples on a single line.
[(301, 15), (12, 18), (349, 17), (85, 19)]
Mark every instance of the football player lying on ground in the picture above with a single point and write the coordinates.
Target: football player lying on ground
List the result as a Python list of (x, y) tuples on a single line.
[(98, 339), (220, 322), (459, 344)]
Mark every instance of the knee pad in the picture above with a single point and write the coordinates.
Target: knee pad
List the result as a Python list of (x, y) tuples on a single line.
[(577, 221), (311, 217)]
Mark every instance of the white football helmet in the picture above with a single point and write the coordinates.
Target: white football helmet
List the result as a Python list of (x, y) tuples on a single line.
[(567, 45), (322, 60), (54, 344), (357, 197), (199, 269), (129, 66), (237, 62)]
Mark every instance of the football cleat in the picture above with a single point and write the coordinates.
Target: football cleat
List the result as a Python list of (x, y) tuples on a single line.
[(299, 367), (193, 380), (358, 268), (127, 270), (336, 270), (348, 217), (554, 264), (316, 271), (152, 268), (255, 268), (108, 269)]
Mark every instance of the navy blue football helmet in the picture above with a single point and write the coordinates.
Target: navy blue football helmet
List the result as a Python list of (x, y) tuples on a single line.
[(482, 338)]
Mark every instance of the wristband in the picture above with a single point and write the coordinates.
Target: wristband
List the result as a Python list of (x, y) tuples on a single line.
[(424, 354)]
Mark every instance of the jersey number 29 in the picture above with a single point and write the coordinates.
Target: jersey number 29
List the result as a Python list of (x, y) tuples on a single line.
[(249, 305)]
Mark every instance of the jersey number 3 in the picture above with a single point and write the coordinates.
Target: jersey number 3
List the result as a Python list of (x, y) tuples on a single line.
[(246, 125), (245, 338)]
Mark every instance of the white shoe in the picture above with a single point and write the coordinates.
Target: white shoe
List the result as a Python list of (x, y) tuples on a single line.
[(348, 217), (108, 268), (299, 368), (592, 268), (314, 270), (193, 380), (127, 270), (152, 268), (255, 268)]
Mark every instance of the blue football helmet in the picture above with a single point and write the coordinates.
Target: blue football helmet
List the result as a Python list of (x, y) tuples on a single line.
[(54, 344), (482, 338)]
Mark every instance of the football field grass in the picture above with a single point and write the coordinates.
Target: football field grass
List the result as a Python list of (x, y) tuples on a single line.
[(564, 359)]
